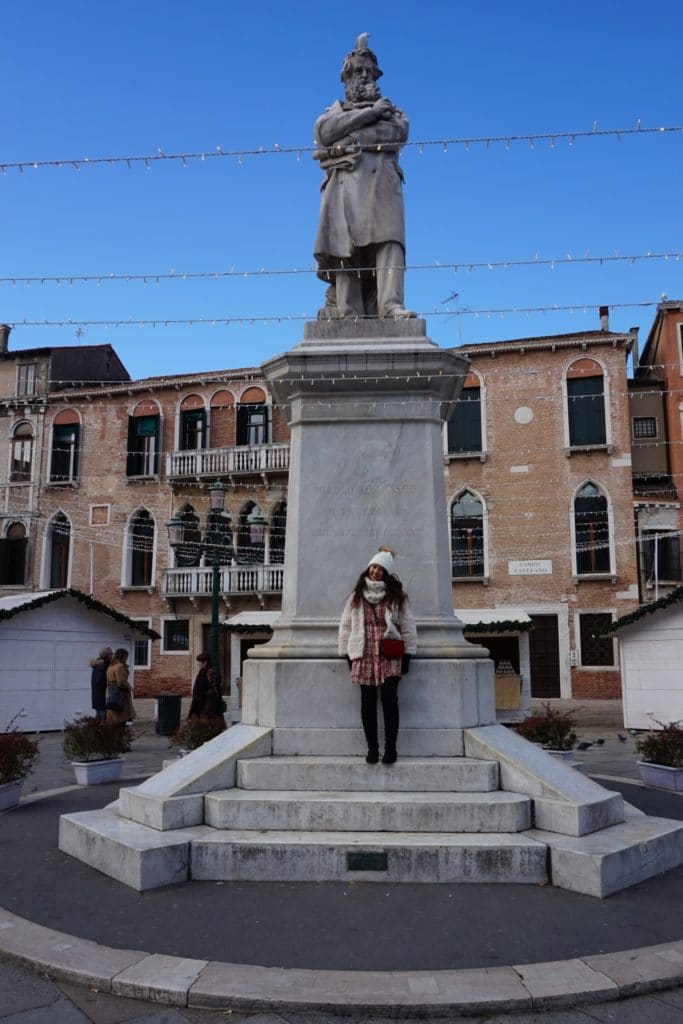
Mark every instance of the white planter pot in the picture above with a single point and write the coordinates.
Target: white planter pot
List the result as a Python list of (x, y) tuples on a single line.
[(10, 794), (91, 773), (661, 776), (560, 755)]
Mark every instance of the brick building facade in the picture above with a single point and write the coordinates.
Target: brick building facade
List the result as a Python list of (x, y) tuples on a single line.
[(656, 400), (145, 453), (537, 458), (540, 499), (28, 377)]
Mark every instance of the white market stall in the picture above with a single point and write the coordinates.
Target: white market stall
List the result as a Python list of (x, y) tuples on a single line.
[(246, 629), (650, 651), (505, 632), (47, 640)]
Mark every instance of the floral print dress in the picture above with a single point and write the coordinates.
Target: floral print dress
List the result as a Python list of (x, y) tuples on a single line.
[(372, 669)]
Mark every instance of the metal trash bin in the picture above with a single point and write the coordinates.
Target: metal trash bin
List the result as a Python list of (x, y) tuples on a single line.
[(168, 714)]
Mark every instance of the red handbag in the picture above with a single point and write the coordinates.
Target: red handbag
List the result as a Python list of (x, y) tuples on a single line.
[(391, 648)]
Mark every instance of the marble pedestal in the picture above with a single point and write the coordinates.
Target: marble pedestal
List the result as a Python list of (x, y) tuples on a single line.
[(366, 403), (313, 707)]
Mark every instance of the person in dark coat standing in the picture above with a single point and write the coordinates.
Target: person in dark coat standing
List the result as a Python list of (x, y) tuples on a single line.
[(206, 695), (117, 677), (98, 682)]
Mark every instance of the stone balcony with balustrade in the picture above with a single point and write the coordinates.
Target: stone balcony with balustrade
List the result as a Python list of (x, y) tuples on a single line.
[(262, 460), (194, 583)]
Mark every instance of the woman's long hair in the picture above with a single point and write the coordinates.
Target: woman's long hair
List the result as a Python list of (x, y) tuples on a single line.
[(120, 655), (395, 592)]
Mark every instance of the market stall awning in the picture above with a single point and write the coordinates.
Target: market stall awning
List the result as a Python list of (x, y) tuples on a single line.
[(494, 620), (251, 622), (479, 620)]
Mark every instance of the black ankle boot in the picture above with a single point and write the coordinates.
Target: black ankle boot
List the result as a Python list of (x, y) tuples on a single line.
[(389, 757), (372, 756)]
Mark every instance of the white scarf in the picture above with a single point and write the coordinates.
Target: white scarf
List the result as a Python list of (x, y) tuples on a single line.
[(375, 590)]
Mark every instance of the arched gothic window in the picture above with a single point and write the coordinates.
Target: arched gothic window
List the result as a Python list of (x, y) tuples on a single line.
[(467, 536), (59, 545), (22, 453), (13, 557), (251, 535), (189, 553), (591, 531), (586, 403), (464, 423), (277, 534), (66, 433), (141, 548)]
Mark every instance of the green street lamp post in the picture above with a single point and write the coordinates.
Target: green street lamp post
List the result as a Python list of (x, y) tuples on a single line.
[(217, 499), (213, 544)]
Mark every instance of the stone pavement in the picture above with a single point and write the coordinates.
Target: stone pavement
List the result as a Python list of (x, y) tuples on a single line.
[(30, 998), (356, 949)]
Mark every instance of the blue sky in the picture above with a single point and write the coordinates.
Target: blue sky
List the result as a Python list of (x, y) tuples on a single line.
[(92, 79)]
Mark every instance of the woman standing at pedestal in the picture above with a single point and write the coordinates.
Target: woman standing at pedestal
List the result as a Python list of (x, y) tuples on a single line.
[(376, 611)]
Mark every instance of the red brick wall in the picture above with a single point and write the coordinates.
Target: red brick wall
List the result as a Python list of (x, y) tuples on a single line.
[(587, 685), (280, 428)]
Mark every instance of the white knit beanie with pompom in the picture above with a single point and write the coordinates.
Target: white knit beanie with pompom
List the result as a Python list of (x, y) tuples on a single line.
[(385, 558)]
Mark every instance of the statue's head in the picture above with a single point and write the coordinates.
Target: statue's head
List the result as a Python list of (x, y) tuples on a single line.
[(360, 72)]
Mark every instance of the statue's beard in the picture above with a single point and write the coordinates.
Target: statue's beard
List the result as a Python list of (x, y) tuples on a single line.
[(362, 92)]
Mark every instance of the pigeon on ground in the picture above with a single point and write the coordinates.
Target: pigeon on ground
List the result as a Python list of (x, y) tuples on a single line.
[(622, 739), (583, 745), (599, 743)]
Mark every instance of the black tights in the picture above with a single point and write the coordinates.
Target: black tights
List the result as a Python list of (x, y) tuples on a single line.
[(368, 714)]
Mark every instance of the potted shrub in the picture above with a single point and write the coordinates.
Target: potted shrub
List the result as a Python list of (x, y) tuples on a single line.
[(662, 757), (94, 749), (551, 729), (17, 754), (197, 731)]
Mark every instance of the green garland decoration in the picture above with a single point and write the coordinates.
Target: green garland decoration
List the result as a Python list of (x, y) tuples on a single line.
[(246, 628), (507, 626), (673, 597), (492, 628), (85, 599)]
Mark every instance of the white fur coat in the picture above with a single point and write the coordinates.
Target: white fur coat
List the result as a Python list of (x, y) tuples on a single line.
[(400, 624)]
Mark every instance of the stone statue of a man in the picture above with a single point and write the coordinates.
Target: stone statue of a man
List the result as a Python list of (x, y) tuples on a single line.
[(360, 247)]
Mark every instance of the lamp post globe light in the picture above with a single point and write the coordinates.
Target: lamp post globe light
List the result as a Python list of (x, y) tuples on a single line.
[(215, 542), (256, 521)]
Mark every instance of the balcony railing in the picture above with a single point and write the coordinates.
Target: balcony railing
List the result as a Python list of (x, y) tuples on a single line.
[(220, 462), (233, 579)]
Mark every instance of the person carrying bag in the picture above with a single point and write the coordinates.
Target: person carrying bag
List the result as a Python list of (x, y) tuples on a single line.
[(377, 636), (119, 694)]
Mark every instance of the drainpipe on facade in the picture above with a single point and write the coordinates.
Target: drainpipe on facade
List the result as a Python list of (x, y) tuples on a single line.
[(635, 354)]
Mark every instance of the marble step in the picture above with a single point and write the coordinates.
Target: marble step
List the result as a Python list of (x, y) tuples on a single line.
[(614, 858), (367, 811), (368, 857), (416, 774), (140, 857), (344, 742)]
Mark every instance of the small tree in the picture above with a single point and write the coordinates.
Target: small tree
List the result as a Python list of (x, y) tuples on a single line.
[(17, 754), (88, 739), (197, 731), (663, 746), (552, 729)]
